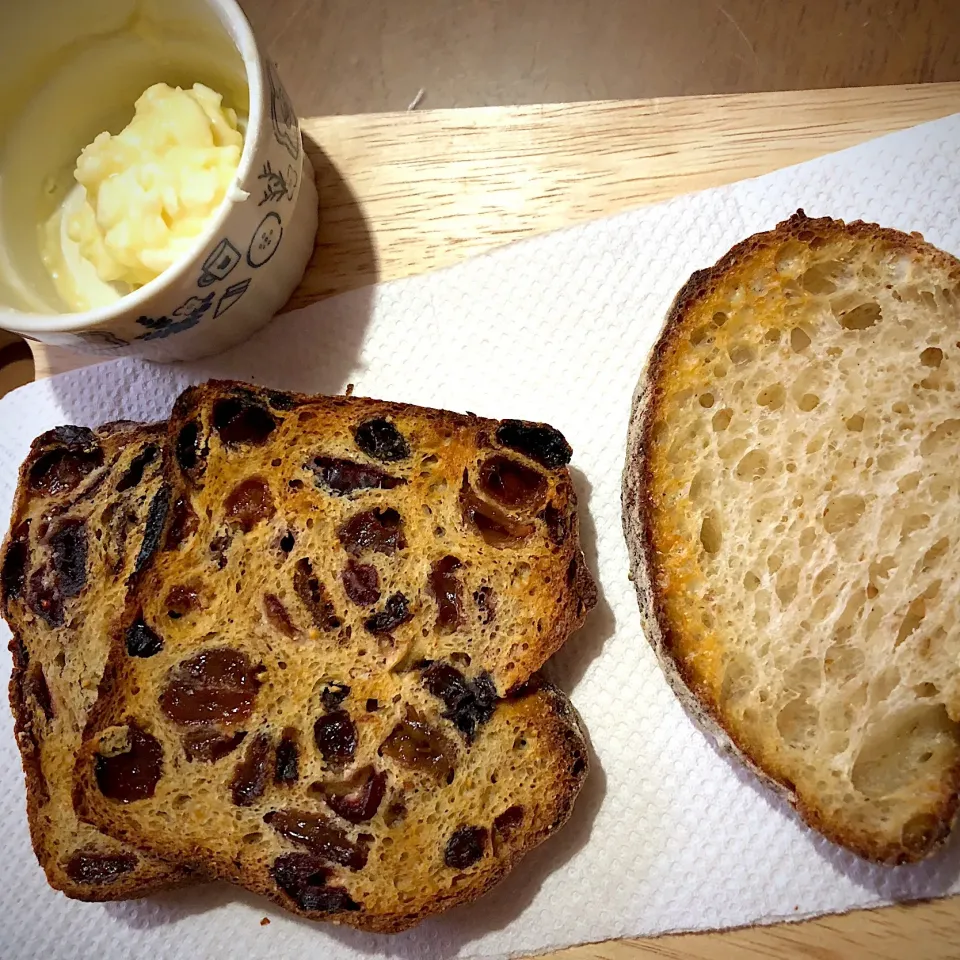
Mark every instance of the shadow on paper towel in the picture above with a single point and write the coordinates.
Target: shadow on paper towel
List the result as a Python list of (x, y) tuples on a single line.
[(569, 664), (918, 881)]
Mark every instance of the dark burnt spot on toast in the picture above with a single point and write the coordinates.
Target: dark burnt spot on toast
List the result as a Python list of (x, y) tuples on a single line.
[(380, 439), (416, 744), (361, 583), (92, 868), (253, 772), (465, 847), (340, 477), (357, 799), (133, 773), (209, 745), (539, 441), (241, 421), (141, 640), (249, 503), (336, 737), (65, 456), (316, 833), (446, 588), (377, 531), (303, 878), (219, 684)]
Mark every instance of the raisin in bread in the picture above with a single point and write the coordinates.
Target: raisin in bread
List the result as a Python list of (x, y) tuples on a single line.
[(339, 706), (791, 505), (86, 513)]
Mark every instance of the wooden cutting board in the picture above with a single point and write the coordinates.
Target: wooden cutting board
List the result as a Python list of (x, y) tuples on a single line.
[(405, 193)]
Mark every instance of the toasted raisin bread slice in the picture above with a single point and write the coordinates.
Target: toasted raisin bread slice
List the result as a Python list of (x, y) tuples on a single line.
[(86, 513), (364, 804), (791, 505), (424, 561)]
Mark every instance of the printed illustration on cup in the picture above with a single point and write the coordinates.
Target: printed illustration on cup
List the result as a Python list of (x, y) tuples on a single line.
[(102, 338), (221, 260), (231, 295), (277, 185), (187, 315), (265, 239), (285, 127)]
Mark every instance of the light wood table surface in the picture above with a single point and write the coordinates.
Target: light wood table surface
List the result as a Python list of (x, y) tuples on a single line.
[(409, 192)]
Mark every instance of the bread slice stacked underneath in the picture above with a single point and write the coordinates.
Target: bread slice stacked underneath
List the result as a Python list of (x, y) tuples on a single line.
[(85, 516), (327, 687), (792, 509)]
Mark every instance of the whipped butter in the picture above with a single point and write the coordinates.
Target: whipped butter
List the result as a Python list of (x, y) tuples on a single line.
[(142, 196)]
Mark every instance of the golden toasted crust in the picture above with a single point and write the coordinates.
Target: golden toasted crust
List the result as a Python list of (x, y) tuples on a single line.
[(271, 570), (694, 668), (405, 879), (58, 657)]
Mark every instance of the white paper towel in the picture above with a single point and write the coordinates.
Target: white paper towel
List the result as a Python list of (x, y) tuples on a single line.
[(668, 835)]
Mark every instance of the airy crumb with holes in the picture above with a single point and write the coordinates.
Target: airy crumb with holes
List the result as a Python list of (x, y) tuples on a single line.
[(790, 505)]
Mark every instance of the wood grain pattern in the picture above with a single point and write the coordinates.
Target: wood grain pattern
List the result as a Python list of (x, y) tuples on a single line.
[(404, 193), (923, 931)]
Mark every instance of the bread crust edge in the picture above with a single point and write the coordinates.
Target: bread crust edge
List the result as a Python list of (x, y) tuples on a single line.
[(147, 877), (637, 511)]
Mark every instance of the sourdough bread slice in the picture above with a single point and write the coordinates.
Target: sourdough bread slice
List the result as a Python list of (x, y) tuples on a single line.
[(791, 501), (86, 512), (324, 693)]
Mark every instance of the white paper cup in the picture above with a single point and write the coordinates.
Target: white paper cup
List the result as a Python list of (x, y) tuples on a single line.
[(70, 69)]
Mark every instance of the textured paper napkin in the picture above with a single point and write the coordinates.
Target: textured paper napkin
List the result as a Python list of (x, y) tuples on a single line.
[(668, 835)]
